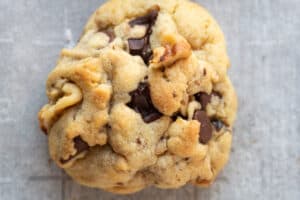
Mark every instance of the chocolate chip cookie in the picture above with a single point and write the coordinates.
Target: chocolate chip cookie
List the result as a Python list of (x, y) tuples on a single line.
[(143, 99)]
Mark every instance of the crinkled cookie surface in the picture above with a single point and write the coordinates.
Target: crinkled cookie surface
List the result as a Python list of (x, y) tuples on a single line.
[(143, 99)]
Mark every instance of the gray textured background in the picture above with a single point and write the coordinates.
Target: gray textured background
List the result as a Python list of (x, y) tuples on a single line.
[(263, 42)]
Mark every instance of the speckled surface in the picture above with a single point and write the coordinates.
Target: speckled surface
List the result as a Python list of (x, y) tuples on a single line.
[(263, 42)]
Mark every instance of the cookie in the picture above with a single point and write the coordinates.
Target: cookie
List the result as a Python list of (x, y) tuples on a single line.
[(143, 99)]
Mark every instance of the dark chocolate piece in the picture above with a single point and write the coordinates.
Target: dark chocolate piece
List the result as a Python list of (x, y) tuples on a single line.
[(205, 98), (141, 102), (205, 127), (80, 146), (141, 46), (148, 19)]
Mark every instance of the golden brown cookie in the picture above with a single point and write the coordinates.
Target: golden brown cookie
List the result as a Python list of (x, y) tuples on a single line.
[(143, 99)]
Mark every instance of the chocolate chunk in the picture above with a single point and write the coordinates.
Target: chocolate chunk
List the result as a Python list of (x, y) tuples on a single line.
[(80, 147), (148, 19), (141, 46), (136, 45), (205, 98), (218, 124), (152, 117), (205, 127), (141, 102)]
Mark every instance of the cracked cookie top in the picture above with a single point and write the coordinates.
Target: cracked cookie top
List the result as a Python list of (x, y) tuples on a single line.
[(143, 98)]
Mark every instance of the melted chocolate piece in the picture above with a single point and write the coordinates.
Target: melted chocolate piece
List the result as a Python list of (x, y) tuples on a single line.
[(141, 46), (205, 127), (205, 98), (80, 146), (148, 19), (141, 102)]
